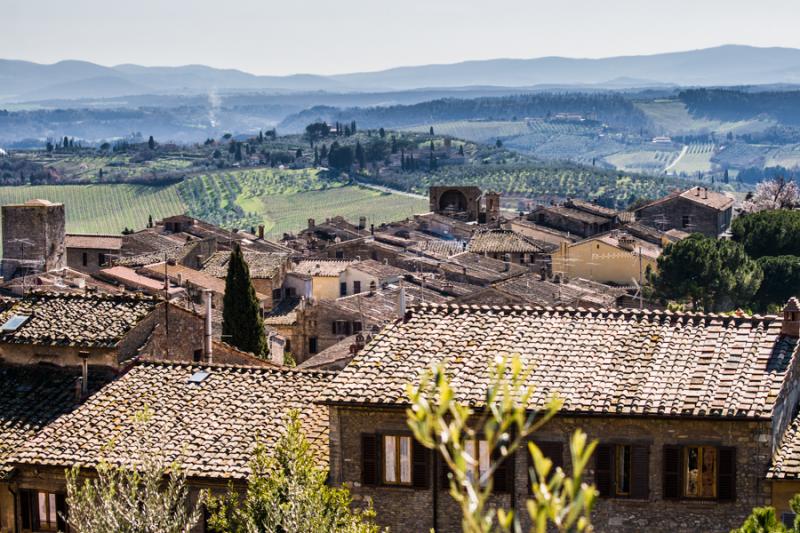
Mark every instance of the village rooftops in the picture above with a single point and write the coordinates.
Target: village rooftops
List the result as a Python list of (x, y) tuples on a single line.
[(207, 419), (128, 278), (262, 265), (437, 248), (620, 362), (698, 195), (479, 268), (786, 460), (501, 241), (57, 319), (31, 396), (576, 214), (379, 270), (94, 242), (321, 268)]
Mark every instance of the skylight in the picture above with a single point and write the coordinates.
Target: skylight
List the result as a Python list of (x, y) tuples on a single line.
[(198, 377), (14, 323)]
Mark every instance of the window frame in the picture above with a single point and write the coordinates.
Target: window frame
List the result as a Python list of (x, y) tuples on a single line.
[(398, 436), (617, 448), (730, 471), (685, 471), (641, 448), (357, 286)]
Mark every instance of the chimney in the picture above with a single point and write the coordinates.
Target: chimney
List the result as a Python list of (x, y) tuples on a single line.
[(506, 262), (311, 223), (626, 242), (697, 191), (207, 346), (261, 231), (705, 193), (308, 290), (362, 222), (372, 229), (791, 318), (401, 302), (200, 260), (84, 373)]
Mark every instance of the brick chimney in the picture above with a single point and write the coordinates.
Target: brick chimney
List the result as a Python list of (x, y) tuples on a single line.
[(791, 318), (261, 231)]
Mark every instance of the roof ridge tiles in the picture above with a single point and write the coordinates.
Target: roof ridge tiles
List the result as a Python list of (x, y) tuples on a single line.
[(654, 313), (230, 366)]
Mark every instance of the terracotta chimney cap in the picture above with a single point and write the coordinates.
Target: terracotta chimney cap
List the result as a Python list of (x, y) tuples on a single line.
[(792, 305)]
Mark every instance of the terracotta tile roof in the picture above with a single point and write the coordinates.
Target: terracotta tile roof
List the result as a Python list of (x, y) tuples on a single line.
[(322, 268), (377, 269), (31, 397), (623, 362), (480, 268), (283, 314), (438, 248), (130, 279), (210, 429), (381, 307), (58, 319), (172, 253), (575, 214), (532, 290), (262, 265), (338, 354), (786, 461), (617, 240), (501, 241), (592, 208), (713, 199), (98, 242)]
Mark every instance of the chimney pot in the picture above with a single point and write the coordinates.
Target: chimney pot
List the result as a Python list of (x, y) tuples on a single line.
[(261, 231), (791, 318)]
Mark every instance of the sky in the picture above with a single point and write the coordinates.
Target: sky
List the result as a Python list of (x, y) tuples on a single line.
[(339, 36)]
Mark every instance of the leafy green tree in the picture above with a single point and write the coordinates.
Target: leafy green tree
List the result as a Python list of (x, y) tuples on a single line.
[(340, 157), (431, 131), (765, 520), (377, 150), (153, 497), (151, 143), (287, 492), (781, 279), (558, 502), (238, 154), (242, 325), (360, 157), (771, 232), (316, 131), (708, 272)]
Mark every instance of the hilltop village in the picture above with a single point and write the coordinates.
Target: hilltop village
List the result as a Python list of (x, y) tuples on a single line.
[(695, 412)]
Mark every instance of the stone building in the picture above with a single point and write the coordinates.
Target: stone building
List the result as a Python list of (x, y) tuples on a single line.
[(575, 218), (467, 203), (33, 238), (90, 253), (206, 418), (368, 276), (315, 278), (267, 270), (68, 329), (696, 210), (505, 245), (688, 409)]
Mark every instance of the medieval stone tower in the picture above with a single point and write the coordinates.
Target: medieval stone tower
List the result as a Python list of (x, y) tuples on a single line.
[(33, 238)]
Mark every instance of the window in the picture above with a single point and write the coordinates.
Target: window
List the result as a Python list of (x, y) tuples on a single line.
[(357, 326), (197, 356), (479, 450), (356, 287), (339, 254), (40, 510), (787, 519), (85, 259), (288, 346), (622, 470), (686, 221), (700, 469), (343, 289), (341, 327), (276, 295), (396, 460), (101, 259), (312, 345), (700, 472)]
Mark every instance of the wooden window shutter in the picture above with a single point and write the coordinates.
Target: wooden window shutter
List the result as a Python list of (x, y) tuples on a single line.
[(726, 474), (369, 459), (347, 329), (672, 472), (553, 451), (25, 498), (503, 480), (61, 510), (335, 329), (420, 465), (604, 469), (640, 472)]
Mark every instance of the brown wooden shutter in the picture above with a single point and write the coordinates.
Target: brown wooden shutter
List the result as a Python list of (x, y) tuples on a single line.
[(61, 511), (503, 480), (604, 469), (672, 472), (25, 497), (369, 459), (334, 328), (347, 329), (553, 451), (420, 466), (640, 472), (726, 474)]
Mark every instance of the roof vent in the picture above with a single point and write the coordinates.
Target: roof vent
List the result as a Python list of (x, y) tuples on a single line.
[(14, 323), (198, 377)]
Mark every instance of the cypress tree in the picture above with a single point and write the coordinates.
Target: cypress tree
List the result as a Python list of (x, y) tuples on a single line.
[(242, 325)]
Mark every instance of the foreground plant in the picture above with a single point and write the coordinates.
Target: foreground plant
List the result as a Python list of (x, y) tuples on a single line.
[(765, 520), (147, 497), (442, 423), (286, 492)]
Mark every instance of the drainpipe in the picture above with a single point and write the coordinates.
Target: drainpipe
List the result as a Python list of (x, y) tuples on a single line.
[(84, 373), (208, 328), (436, 466)]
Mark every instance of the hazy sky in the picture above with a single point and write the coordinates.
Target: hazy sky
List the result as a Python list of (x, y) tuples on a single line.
[(335, 36)]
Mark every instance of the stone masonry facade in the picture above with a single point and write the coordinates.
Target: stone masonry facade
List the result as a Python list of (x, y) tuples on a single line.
[(411, 509)]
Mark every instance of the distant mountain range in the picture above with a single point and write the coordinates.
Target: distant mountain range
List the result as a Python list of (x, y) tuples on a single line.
[(724, 65)]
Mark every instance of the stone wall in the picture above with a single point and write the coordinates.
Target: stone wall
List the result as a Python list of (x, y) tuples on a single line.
[(407, 509), (33, 238), (685, 215)]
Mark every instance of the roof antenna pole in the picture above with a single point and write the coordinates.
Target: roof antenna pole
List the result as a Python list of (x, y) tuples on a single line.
[(166, 305), (207, 344)]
